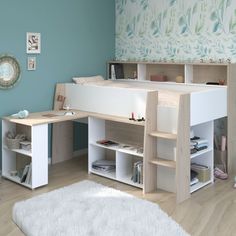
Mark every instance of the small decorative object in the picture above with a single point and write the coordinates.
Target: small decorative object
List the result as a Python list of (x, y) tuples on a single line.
[(221, 60), (201, 60), (61, 99), (211, 60), (161, 78), (33, 42), (25, 145), (31, 63), (221, 82), (21, 114), (13, 172), (13, 141), (9, 71), (179, 79), (229, 60), (234, 182)]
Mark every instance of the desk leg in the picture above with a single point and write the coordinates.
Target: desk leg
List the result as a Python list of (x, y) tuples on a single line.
[(62, 141), (39, 155)]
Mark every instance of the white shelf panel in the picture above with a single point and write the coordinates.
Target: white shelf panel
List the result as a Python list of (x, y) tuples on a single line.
[(16, 179), (201, 152), (199, 185), (21, 151), (119, 149), (110, 175), (127, 180)]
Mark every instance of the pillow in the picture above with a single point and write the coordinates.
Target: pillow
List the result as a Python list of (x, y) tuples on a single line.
[(83, 80)]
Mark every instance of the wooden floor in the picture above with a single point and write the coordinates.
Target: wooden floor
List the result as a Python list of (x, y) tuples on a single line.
[(210, 211)]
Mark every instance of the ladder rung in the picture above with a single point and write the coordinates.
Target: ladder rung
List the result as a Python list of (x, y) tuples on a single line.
[(163, 135), (163, 162)]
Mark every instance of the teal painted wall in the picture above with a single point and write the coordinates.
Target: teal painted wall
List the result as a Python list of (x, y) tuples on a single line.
[(77, 38), (179, 30)]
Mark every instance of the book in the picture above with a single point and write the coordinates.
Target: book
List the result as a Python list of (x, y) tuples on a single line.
[(28, 177), (24, 174)]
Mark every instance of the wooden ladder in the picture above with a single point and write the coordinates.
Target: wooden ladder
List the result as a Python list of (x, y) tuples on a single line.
[(182, 163)]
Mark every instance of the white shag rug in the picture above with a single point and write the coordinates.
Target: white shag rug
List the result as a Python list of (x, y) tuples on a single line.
[(88, 208)]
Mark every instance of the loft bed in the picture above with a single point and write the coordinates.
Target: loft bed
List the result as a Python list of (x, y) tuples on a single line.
[(170, 110)]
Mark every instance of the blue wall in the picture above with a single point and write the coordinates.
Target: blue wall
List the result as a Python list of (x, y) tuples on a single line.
[(77, 38)]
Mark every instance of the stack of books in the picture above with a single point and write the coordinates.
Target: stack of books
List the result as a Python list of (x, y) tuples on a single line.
[(104, 165), (198, 144), (137, 176)]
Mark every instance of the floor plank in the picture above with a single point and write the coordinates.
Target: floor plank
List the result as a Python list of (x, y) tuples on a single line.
[(210, 211)]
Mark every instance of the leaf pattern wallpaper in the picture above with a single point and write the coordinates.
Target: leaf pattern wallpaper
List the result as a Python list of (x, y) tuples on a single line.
[(181, 30)]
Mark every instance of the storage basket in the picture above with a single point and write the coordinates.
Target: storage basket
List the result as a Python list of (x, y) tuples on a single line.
[(13, 143)]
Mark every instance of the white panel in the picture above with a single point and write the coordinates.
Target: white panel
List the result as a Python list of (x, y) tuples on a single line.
[(167, 119), (96, 129), (188, 73), (206, 106), (39, 155), (123, 165), (142, 68), (106, 100), (95, 153), (8, 157)]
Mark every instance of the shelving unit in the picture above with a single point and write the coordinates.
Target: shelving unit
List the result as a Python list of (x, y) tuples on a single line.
[(100, 129), (192, 73), (206, 156), (16, 159)]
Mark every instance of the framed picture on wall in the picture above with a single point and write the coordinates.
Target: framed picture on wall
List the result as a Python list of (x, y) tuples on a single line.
[(31, 63), (33, 42)]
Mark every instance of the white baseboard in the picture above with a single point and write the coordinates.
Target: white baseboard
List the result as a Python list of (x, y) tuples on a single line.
[(80, 152), (77, 153)]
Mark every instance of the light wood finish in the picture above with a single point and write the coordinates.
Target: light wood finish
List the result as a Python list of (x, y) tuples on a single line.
[(163, 135), (124, 120), (124, 133), (210, 211), (62, 133), (150, 143), (59, 91), (231, 142), (171, 71), (38, 118), (62, 141), (182, 150), (209, 73), (163, 162)]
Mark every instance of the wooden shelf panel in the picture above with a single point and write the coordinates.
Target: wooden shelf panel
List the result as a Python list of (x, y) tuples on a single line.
[(163, 135), (163, 162)]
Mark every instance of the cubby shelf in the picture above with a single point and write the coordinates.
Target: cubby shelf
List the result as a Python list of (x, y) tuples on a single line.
[(118, 148)]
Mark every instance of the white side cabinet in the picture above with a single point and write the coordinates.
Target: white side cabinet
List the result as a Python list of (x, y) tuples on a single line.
[(16, 159), (124, 158)]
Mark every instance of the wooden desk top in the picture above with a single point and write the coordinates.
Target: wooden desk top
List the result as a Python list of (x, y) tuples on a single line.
[(48, 117)]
